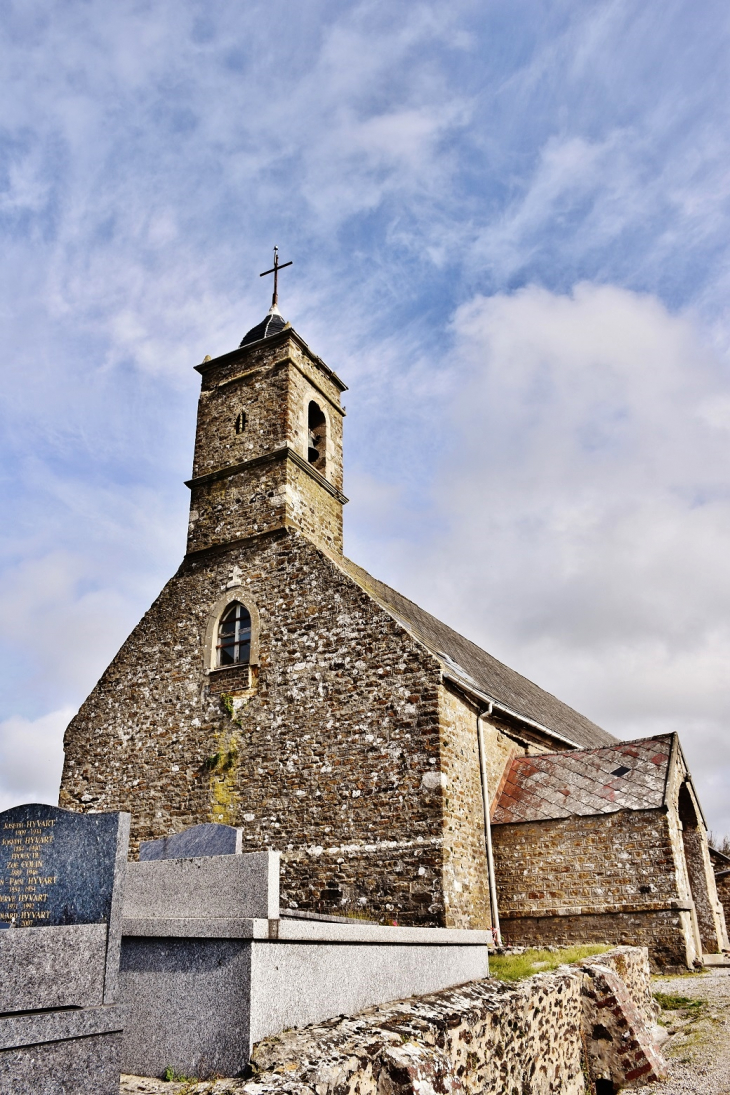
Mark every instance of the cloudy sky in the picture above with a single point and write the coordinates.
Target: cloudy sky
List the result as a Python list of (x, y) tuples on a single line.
[(509, 223)]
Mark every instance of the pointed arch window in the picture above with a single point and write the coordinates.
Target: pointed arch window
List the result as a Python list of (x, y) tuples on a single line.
[(234, 636)]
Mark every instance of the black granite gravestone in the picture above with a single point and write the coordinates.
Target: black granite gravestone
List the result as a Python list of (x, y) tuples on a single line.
[(61, 888), (199, 840), (56, 867)]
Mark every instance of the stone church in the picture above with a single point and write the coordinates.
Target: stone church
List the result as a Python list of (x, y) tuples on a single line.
[(276, 686)]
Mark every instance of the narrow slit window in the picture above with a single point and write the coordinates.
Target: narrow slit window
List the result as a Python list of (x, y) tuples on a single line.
[(234, 636)]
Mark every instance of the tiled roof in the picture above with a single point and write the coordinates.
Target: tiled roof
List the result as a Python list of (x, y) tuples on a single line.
[(494, 678), (631, 775)]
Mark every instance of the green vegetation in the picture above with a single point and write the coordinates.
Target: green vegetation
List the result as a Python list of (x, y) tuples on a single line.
[(515, 967), (221, 761), (175, 1078), (211, 762), (668, 1002)]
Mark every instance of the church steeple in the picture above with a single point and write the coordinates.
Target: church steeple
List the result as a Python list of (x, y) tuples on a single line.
[(268, 447)]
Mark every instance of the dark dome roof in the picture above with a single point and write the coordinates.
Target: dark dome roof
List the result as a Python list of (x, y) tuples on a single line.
[(271, 325)]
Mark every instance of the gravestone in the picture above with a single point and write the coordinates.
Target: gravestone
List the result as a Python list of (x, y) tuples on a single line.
[(209, 838), (61, 885)]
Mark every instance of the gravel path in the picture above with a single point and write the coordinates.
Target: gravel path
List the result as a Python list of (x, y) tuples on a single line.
[(699, 1050)]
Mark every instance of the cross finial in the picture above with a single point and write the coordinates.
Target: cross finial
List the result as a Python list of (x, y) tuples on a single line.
[(275, 271)]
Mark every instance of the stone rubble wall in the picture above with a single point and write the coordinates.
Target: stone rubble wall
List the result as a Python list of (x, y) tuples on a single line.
[(334, 756), (663, 932), (605, 878), (243, 483), (617, 1035), (723, 894), (538, 1036)]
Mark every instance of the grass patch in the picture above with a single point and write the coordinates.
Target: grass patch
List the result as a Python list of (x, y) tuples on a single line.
[(669, 1002), (515, 967)]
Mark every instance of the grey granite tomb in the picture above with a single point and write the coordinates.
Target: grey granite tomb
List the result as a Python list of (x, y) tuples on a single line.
[(209, 965), (61, 881)]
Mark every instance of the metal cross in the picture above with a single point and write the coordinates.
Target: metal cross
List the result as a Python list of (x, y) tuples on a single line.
[(275, 271)]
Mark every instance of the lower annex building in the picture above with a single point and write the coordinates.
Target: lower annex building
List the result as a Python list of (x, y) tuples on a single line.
[(276, 686)]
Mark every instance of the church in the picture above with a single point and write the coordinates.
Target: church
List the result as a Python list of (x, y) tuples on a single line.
[(405, 775)]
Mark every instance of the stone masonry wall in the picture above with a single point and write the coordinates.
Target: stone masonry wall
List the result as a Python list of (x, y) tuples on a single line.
[(272, 383), (249, 502), (544, 1035), (663, 933), (608, 878), (307, 383), (723, 894), (336, 743), (695, 843), (313, 509), (253, 412), (465, 877)]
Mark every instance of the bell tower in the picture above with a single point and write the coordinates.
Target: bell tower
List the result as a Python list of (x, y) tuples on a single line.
[(268, 446)]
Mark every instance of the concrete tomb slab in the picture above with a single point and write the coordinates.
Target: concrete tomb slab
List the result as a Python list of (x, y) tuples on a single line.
[(61, 882), (210, 838), (205, 976)]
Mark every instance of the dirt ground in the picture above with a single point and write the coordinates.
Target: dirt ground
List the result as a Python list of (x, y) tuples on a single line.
[(696, 1010)]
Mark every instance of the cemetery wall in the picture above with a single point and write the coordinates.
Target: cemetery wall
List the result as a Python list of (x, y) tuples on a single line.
[(540, 1035)]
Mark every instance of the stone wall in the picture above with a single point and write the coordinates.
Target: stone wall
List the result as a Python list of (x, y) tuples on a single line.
[(664, 932), (272, 383), (695, 843), (722, 882), (333, 752), (250, 470), (466, 884), (605, 878), (540, 1036)]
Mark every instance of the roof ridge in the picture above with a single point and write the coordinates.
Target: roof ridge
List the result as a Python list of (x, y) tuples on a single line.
[(598, 748)]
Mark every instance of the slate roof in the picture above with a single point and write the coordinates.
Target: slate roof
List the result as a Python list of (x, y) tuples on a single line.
[(492, 677), (271, 325), (631, 775)]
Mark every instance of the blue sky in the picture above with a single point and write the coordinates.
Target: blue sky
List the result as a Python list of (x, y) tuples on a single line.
[(509, 227)]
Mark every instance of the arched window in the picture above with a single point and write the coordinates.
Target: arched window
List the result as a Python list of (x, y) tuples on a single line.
[(234, 636), (317, 433)]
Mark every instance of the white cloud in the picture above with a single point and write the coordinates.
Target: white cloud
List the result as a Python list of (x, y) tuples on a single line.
[(31, 758), (587, 501)]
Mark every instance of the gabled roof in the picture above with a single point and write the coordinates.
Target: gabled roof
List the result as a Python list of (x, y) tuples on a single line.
[(492, 677), (631, 775)]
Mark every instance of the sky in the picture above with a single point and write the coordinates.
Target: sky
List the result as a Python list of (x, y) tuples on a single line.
[(509, 228)]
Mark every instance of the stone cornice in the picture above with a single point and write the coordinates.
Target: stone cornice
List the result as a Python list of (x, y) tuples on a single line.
[(284, 453), (593, 910), (199, 555)]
